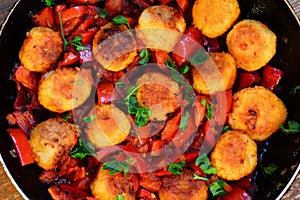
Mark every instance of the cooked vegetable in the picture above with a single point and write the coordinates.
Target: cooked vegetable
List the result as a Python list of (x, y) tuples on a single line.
[(41, 50), (204, 163), (51, 141), (215, 17), (217, 188), (252, 44), (176, 168), (234, 155), (291, 128), (82, 150), (258, 112)]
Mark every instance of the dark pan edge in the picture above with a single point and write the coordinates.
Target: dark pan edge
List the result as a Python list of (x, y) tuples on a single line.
[(8, 16)]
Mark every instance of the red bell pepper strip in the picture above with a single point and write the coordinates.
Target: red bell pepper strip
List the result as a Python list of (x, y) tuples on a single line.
[(25, 120), (246, 182), (246, 79), (73, 190), (145, 194), (188, 157), (198, 110), (162, 172), (183, 4), (211, 44), (69, 59), (187, 46), (237, 193), (45, 18), (82, 2), (88, 35), (27, 78), (105, 92), (171, 128), (221, 109), (160, 57), (156, 145), (151, 182), (271, 77), (83, 27), (58, 9), (22, 146), (71, 13)]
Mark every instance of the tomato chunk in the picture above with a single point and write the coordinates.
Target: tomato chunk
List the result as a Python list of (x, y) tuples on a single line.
[(271, 77)]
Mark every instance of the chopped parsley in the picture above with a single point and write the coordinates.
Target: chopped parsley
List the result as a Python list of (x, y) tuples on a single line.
[(89, 119), (199, 57), (176, 168), (292, 127), (49, 2), (184, 69), (225, 128), (119, 197), (200, 178), (120, 84), (204, 163), (76, 42), (82, 150), (268, 170), (210, 109), (119, 20), (118, 166), (145, 56), (103, 13), (67, 117), (184, 121), (217, 188), (294, 90), (142, 114)]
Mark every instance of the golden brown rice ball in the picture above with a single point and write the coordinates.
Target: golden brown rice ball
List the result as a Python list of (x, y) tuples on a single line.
[(64, 89), (114, 47), (184, 186), (258, 112), (41, 49), (215, 17), (206, 81), (160, 27), (159, 93), (110, 127), (234, 155), (107, 187), (51, 141), (252, 44)]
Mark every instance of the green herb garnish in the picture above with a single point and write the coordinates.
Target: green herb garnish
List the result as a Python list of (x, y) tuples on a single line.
[(119, 197), (217, 188), (199, 57), (184, 69), (82, 150), (225, 128), (139, 4), (118, 166), (120, 84), (295, 89), (184, 121), (89, 119), (103, 13), (176, 168), (200, 178), (268, 170), (119, 20), (142, 114), (204, 163), (209, 108), (67, 117), (291, 128), (49, 2), (145, 56)]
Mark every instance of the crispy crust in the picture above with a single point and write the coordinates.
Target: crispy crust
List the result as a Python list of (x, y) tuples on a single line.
[(258, 112), (225, 64), (107, 187), (160, 93), (234, 155), (114, 53), (64, 89), (110, 127), (160, 27), (215, 17), (183, 186), (252, 44), (51, 141), (41, 50)]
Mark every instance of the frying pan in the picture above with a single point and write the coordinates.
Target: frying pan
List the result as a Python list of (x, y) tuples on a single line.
[(280, 149)]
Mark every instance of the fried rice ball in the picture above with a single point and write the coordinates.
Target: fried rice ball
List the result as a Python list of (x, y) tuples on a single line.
[(258, 112), (64, 89), (110, 126), (114, 47), (51, 141), (252, 44), (41, 49), (160, 27), (215, 17), (234, 155), (107, 187), (159, 93), (206, 81), (184, 186)]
